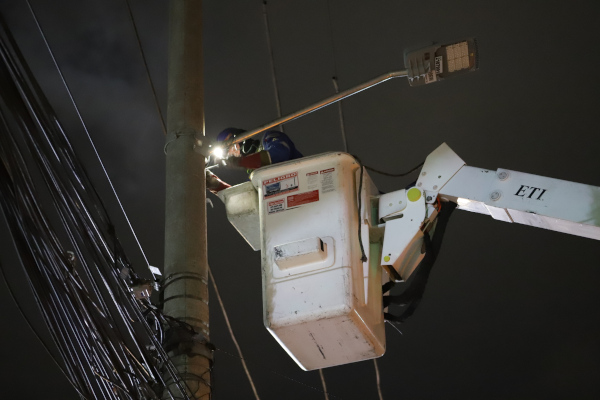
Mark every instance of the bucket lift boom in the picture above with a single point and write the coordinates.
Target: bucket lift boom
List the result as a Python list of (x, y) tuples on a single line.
[(505, 195), (322, 303), (325, 231)]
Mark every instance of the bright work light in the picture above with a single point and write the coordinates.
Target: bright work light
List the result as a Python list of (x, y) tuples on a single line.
[(218, 152), (437, 62)]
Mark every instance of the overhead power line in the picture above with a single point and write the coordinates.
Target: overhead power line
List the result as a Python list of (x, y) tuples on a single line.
[(36, 333), (345, 143), (237, 346), (378, 379), (340, 114), (92, 300), (334, 79), (272, 62), (64, 81), (142, 54), (324, 384)]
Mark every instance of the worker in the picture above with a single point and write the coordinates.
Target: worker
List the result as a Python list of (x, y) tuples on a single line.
[(251, 154)]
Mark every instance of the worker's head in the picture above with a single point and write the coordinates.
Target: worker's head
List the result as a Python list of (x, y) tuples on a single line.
[(229, 133), (248, 146)]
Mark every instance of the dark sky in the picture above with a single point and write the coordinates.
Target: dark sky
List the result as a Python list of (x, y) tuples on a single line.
[(510, 312)]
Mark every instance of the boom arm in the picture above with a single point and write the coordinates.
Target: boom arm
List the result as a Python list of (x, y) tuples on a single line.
[(506, 195), (523, 198)]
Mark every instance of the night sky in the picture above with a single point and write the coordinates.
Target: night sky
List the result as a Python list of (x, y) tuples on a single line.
[(510, 311)]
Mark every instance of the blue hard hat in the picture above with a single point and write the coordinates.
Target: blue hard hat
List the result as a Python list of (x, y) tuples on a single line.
[(229, 131)]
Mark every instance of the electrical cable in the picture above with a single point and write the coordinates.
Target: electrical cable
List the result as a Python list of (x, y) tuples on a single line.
[(99, 327), (36, 333), (160, 331), (340, 115), (139, 42), (345, 143), (62, 77), (395, 175), (378, 379), (324, 384), (266, 368), (272, 62), (239, 350), (417, 283), (360, 241), (363, 257), (334, 78)]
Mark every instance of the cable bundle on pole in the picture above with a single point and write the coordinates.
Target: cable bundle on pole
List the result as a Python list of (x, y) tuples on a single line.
[(95, 305)]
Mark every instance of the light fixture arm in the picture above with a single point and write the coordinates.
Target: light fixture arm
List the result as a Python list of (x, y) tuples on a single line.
[(323, 103)]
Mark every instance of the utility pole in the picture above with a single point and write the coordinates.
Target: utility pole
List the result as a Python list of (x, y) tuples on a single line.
[(186, 262)]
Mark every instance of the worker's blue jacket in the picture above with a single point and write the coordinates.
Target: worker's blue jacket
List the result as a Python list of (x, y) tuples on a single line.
[(279, 146)]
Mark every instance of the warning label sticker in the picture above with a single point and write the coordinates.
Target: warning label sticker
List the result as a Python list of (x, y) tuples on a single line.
[(312, 180), (302, 198), (280, 185), (327, 180), (275, 206)]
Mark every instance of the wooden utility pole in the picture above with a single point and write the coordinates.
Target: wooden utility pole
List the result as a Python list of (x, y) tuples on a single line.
[(186, 263)]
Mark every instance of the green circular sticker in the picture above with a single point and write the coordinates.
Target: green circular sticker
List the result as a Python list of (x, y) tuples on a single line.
[(413, 194)]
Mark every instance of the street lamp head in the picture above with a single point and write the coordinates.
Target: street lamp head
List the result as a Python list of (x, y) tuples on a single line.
[(438, 62)]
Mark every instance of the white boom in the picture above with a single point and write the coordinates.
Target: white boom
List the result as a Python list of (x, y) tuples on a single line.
[(522, 198), (506, 195)]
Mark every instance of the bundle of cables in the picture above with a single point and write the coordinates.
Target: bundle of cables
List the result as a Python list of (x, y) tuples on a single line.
[(108, 336)]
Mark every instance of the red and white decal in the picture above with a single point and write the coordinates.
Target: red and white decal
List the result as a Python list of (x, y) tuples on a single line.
[(327, 180), (275, 206), (312, 180), (296, 200)]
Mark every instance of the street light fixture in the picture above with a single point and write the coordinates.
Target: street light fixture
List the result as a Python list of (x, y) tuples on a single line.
[(438, 62), (423, 66)]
